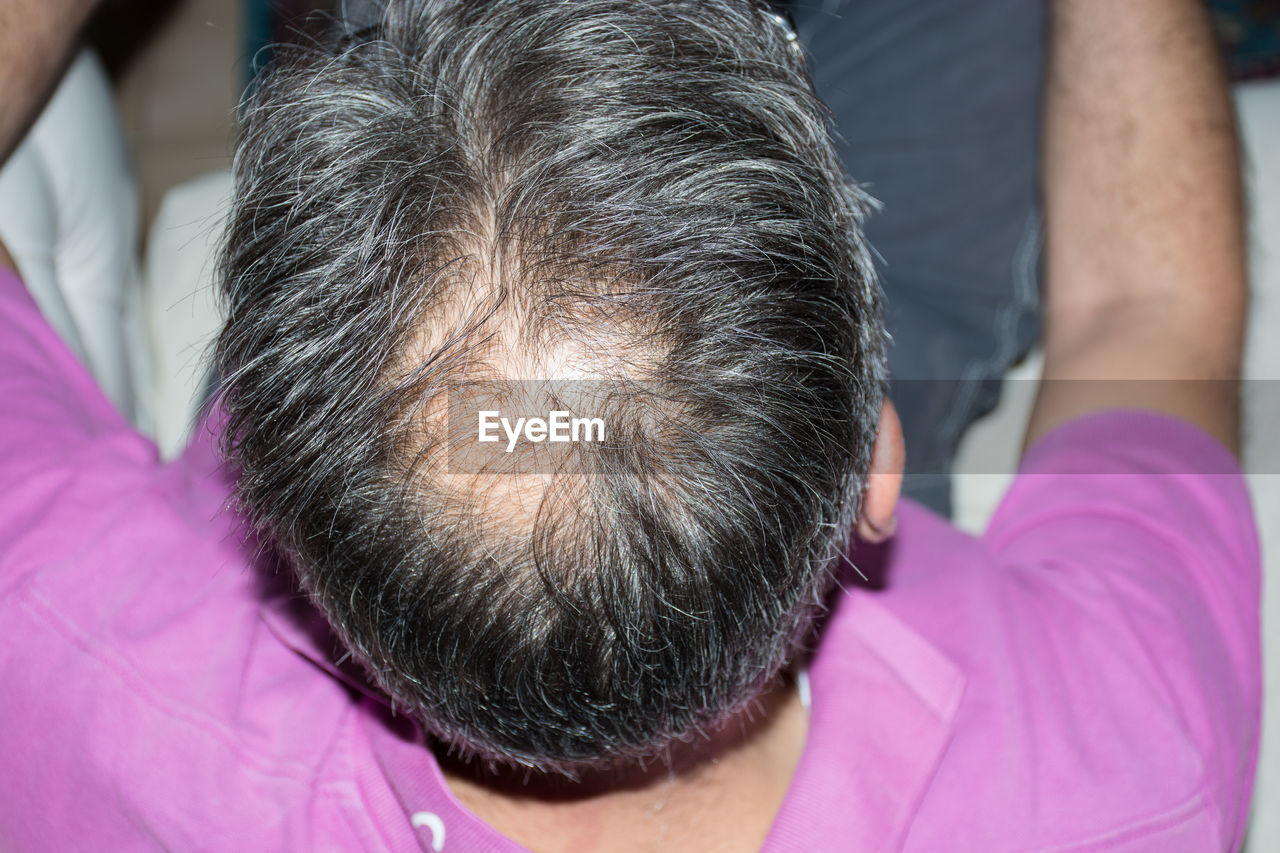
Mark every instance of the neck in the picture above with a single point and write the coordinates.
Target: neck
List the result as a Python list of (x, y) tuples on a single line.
[(743, 767)]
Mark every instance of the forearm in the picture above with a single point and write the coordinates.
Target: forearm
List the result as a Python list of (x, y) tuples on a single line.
[(36, 42), (1145, 275)]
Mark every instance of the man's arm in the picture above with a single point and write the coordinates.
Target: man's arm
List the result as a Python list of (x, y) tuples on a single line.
[(1145, 271), (37, 38)]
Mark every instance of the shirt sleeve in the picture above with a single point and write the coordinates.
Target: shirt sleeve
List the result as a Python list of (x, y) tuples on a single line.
[(1143, 526), (51, 403), (146, 704)]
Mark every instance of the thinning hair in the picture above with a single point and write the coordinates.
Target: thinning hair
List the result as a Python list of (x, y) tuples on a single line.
[(476, 191)]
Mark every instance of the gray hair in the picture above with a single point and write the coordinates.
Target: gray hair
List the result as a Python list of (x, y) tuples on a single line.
[(655, 177)]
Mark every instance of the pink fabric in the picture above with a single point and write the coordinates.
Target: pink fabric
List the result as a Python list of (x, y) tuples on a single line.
[(1084, 676)]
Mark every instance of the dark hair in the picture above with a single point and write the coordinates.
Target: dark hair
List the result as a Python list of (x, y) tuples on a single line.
[(452, 195)]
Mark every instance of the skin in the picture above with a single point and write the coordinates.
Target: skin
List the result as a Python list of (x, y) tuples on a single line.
[(1146, 287), (715, 795), (1145, 280), (1145, 308), (37, 41), (735, 781), (876, 520)]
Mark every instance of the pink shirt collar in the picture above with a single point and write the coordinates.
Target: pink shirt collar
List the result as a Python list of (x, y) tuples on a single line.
[(884, 700)]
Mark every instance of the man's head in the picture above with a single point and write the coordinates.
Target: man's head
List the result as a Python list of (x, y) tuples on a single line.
[(635, 197)]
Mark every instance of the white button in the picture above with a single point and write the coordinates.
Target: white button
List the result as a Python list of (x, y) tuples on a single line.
[(432, 821)]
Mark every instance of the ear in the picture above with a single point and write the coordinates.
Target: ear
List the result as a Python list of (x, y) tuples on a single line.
[(876, 521)]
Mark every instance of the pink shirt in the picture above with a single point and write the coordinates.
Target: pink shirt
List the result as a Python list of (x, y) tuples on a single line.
[(1085, 676)]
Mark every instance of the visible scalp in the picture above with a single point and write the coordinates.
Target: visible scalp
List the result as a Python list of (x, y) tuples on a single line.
[(643, 191)]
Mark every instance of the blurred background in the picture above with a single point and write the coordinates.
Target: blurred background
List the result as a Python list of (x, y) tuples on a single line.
[(179, 67)]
